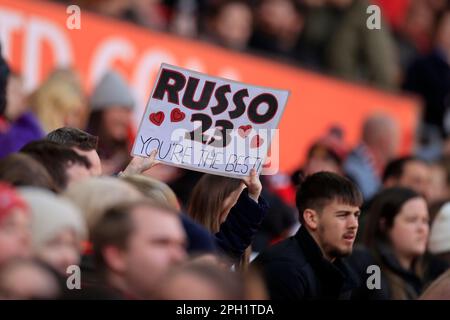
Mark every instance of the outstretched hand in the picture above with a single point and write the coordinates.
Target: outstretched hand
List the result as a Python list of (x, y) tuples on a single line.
[(253, 184), (138, 164)]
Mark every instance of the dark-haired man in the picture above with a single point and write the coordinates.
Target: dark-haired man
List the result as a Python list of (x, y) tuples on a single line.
[(409, 172), (64, 165), (309, 265), (81, 142), (85, 145)]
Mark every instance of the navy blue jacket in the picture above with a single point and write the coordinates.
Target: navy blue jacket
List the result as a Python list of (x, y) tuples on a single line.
[(200, 239), (241, 225)]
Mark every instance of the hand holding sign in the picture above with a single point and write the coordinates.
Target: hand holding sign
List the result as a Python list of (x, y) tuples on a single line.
[(253, 184), (139, 165), (209, 124)]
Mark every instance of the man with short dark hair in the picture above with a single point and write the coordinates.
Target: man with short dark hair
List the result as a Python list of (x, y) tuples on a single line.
[(85, 144), (309, 265), (135, 244), (64, 165), (81, 142), (409, 172)]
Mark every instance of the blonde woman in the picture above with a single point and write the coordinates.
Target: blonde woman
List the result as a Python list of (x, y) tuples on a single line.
[(58, 102), (95, 195)]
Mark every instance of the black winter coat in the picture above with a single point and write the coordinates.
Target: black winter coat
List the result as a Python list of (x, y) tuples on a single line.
[(295, 269)]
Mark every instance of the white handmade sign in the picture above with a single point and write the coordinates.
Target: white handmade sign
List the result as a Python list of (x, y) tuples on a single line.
[(209, 124)]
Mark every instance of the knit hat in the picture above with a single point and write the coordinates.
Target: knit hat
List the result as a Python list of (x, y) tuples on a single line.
[(112, 90), (50, 215), (440, 231), (9, 200)]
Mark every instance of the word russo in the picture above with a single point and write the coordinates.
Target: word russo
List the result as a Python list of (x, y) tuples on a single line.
[(181, 91)]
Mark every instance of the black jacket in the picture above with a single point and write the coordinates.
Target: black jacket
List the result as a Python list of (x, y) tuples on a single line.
[(412, 284), (295, 269)]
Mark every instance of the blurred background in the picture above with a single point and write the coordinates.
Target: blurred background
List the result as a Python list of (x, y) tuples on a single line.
[(400, 69), (368, 103)]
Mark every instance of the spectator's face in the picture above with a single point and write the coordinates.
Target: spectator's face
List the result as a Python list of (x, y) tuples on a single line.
[(443, 33), (335, 229), (320, 163), (409, 232), (234, 25), (94, 159), (77, 172), (62, 251), (27, 281), (391, 141), (416, 176), (438, 190), (419, 19), (14, 235), (279, 18), (156, 244), (116, 121)]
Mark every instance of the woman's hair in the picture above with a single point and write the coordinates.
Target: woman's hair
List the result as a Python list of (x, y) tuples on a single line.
[(157, 191), (207, 199), (438, 289), (385, 207), (55, 100), (20, 170)]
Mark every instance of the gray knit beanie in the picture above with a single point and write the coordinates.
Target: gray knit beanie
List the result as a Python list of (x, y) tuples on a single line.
[(112, 90), (50, 215)]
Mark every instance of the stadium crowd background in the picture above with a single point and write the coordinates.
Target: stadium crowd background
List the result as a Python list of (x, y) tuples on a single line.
[(97, 195)]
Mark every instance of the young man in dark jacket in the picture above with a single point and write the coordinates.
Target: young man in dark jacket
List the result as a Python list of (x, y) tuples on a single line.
[(309, 265)]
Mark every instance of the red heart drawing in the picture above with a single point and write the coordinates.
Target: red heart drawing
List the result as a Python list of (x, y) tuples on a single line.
[(244, 131), (157, 118), (256, 142), (177, 115)]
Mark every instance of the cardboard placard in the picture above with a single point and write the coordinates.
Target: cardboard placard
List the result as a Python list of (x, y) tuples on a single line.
[(209, 124)]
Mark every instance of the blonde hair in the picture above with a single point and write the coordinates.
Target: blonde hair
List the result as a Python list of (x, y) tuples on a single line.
[(95, 195), (155, 190), (57, 99)]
